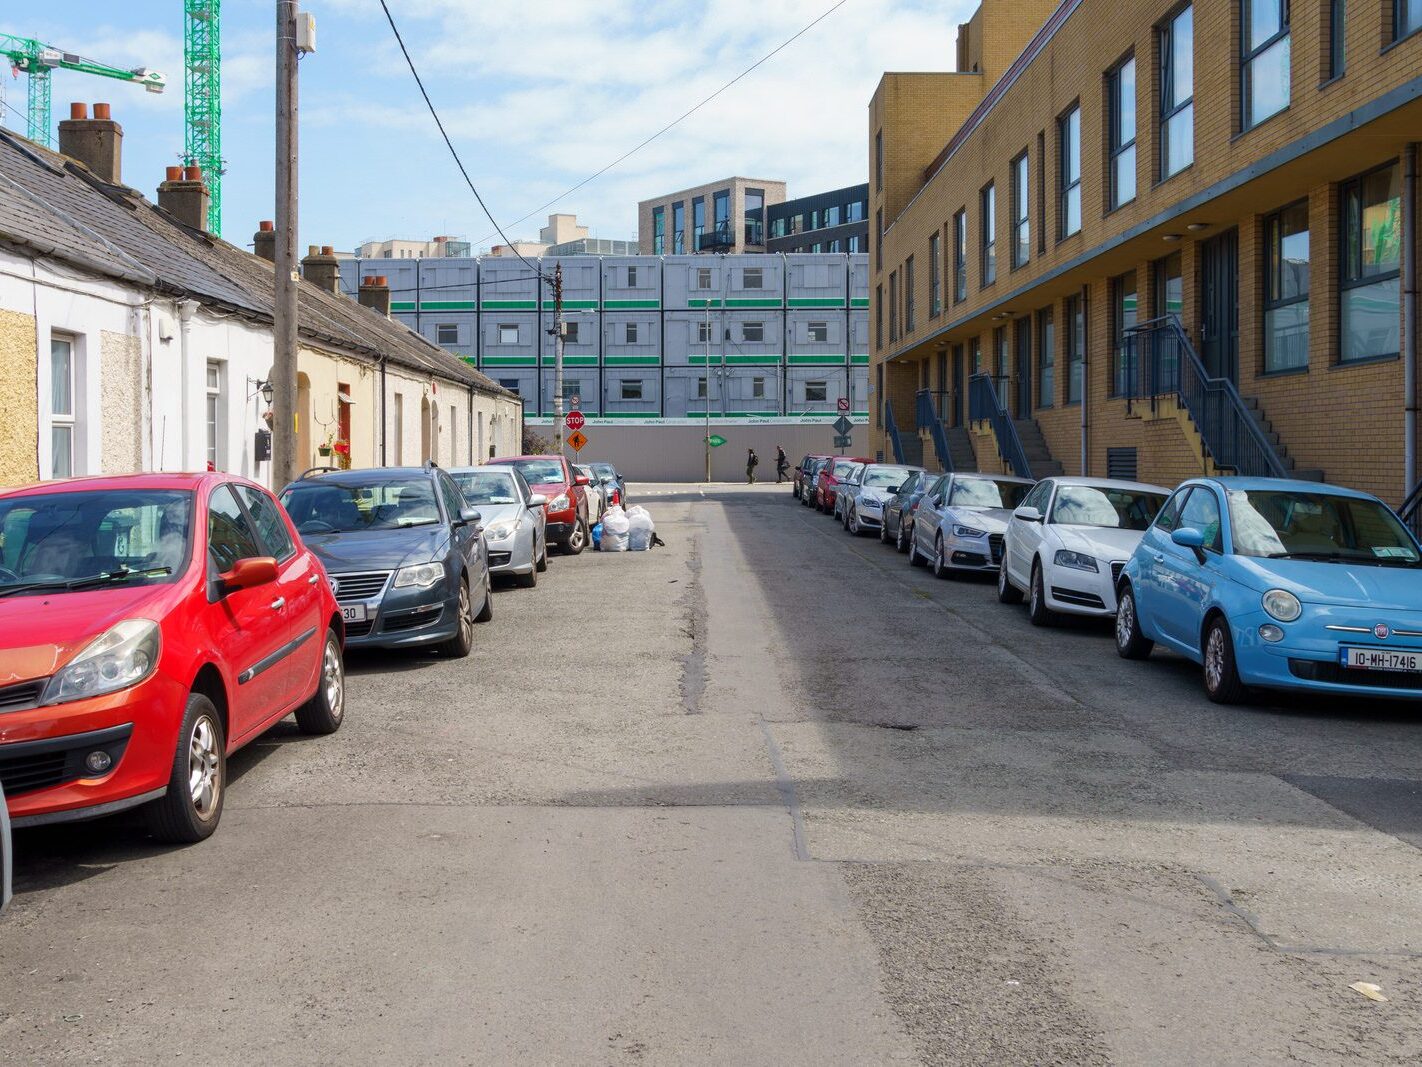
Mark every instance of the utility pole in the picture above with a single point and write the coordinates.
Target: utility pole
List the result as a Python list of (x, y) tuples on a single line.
[(558, 355), (706, 333), (285, 462)]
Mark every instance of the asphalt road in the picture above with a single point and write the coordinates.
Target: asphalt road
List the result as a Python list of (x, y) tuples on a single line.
[(765, 796)]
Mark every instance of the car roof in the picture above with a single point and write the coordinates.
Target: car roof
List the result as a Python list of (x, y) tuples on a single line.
[(361, 474), (184, 480), (1109, 483), (510, 459), (1016, 478), (499, 469), (1296, 485)]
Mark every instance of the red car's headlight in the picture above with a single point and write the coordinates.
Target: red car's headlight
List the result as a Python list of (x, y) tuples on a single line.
[(122, 656)]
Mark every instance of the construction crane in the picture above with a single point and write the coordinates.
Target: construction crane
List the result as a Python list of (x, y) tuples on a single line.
[(202, 95), (38, 59)]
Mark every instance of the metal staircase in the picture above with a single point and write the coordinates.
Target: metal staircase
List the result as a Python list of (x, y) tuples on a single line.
[(960, 447), (928, 418), (985, 405), (892, 429), (1034, 446)]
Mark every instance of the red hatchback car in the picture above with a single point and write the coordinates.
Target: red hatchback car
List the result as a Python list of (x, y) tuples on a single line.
[(566, 490), (827, 484), (150, 625)]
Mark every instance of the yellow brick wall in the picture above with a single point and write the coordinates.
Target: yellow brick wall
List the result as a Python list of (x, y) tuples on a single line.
[(19, 460)]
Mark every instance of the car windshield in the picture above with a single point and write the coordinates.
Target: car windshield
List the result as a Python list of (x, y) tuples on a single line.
[(841, 467), (539, 471), (886, 477), (1321, 526), (353, 507), (1094, 505), (483, 487), (987, 493), (97, 537)]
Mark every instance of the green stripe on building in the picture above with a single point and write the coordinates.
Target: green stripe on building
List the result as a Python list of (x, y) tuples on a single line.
[(447, 305), (859, 302), (402, 305), (510, 361), (769, 360), (821, 360), (698, 304), (632, 361), (817, 302), (858, 358), (631, 305), (570, 305), (510, 305), (630, 415)]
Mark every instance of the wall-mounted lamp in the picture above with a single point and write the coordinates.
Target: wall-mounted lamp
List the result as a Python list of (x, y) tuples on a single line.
[(1196, 227), (264, 388), (1170, 237)]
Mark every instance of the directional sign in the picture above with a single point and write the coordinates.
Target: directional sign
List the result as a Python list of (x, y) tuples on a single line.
[(577, 440), (842, 425), (843, 441), (715, 440), (842, 403), (574, 420)]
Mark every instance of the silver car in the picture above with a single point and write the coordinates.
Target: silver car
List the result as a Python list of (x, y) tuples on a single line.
[(960, 522), (514, 520), (862, 497)]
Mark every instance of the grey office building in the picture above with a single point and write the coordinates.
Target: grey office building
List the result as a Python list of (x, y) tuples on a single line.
[(836, 221)]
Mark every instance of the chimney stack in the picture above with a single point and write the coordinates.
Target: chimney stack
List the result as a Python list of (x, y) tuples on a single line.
[(321, 267), (264, 240), (375, 293), (184, 196), (96, 142)]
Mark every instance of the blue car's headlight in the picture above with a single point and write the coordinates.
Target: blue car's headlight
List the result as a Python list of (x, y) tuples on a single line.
[(421, 575), (1079, 561), (968, 531), (1283, 605)]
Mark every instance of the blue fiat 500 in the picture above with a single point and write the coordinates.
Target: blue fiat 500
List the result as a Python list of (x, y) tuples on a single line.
[(1278, 584)]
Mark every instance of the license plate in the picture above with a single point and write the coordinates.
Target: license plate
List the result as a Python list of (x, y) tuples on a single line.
[(1381, 659), (353, 612)]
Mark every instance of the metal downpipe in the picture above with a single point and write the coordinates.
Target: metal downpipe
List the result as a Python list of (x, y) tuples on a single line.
[(1409, 314)]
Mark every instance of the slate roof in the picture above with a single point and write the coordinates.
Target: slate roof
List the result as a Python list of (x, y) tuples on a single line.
[(53, 206)]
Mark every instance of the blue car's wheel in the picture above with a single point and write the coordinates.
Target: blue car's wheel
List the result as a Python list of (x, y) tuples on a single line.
[(1130, 642), (1222, 684)]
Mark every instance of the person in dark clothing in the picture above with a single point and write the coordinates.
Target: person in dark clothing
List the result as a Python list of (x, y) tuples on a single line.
[(782, 464), (752, 461)]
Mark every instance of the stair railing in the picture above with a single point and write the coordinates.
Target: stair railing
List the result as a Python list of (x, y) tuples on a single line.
[(1159, 360), (930, 417), (985, 404), (892, 428)]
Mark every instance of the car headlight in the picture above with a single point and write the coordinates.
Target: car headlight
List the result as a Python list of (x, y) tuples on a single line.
[(559, 502), (422, 575), (870, 502), (1076, 560), (122, 656), (1283, 605), (967, 531), (500, 530)]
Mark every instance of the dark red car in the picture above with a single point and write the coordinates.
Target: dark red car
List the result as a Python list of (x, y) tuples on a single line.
[(828, 481), (150, 625), (801, 484), (566, 490)]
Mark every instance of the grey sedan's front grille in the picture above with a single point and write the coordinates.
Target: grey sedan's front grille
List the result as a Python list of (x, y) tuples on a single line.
[(363, 586), (1117, 566)]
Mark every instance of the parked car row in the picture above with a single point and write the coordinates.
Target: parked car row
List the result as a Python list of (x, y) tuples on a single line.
[(1266, 583), (152, 624)]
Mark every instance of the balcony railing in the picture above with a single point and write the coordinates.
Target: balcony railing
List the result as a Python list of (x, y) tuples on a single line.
[(892, 429), (930, 410), (1157, 359), (985, 405)]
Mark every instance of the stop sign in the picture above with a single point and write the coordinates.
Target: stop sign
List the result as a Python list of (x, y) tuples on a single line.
[(574, 420)]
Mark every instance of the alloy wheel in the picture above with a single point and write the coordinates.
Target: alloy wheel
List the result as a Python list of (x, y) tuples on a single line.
[(1214, 659), (466, 613), (204, 780), (333, 681), (1125, 620)]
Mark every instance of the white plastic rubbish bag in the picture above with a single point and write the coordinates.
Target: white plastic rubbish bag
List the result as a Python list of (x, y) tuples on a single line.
[(641, 528), (615, 526)]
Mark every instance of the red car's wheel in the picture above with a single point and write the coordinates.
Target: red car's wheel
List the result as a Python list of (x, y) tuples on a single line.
[(191, 808)]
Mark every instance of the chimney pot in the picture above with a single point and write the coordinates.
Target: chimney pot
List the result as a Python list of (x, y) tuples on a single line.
[(185, 197), (264, 241), (375, 293), (101, 112), (328, 250), (174, 174), (96, 142), (313, 250), (322, 269), (78, 112), (266, 226), (192, 173)]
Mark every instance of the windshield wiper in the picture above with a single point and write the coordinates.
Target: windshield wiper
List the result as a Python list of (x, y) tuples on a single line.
[(89, 581)]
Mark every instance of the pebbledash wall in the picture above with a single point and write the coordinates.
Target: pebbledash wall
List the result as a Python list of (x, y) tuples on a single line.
[(1300, 136)]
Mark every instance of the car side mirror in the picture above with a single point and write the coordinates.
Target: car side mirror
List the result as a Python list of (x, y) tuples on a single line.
[(248, 573), (470, 516), (537, 500), (1027, 515), (581, 479), (1191, 538)]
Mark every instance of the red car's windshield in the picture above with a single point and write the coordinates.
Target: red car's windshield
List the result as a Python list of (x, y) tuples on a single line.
[(112, 536)]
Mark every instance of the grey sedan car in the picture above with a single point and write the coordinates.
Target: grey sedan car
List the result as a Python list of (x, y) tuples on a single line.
[(899, 509), (960, 522), (863, 495), (514, 520)]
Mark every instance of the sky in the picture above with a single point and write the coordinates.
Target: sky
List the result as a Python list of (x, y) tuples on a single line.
[(536, 95)]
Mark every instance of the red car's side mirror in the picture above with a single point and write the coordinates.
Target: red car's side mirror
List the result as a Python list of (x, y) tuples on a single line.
[(246, 573), (581, 479)]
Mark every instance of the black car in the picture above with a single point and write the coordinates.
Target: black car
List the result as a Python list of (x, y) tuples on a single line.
[(404, 553), (898, 509)]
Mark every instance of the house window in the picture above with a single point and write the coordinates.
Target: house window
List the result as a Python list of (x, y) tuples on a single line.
[(1046, 360), (1069, 173), (1337, 61), (659, 231), (854, 211), (879, 160), (1264, 59), (1124, 315), (447, 333), (703, 333), (1286, 289), (703, 277), (893, 306), (630, 333), (753, 278), (1002, 369), (511, 384), (1076, 346), (678, 228), (1021, 226), (988, 219), (1177, 93), (753, 331), (935, 275), (879, 316), (570, 332), (1122, 133), (1372, 247), (757, 388), (1406, 18), (631, 277), (508, 333), (818, 333), (908, 295), (816, 392), (214, 414), (879, 239), (960, 257), (61, 407)]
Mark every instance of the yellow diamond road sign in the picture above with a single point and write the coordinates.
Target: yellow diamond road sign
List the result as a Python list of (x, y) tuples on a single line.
[(577, 440)]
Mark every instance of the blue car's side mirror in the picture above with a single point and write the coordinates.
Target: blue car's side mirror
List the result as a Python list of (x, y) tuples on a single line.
[(1186, 537)]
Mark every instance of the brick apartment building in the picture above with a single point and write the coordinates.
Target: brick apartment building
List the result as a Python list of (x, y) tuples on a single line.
[(1152, 239), (708, 218)]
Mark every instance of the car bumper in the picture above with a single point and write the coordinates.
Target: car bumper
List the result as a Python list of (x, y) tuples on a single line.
[(973, 553), (560, 527), (1089, 593), (42, 752), (1308, 656), (405, 618), (512, 554)]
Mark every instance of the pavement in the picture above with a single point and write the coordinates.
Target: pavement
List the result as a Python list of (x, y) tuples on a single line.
[(765, 796)]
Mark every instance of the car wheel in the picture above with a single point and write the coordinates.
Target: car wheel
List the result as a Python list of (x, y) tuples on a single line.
[(884, 530), (191, 808), (1037, 610), (1222, 684), (1130, 642), (901, 542), (458, 646), (1007, 593), (541, 563), (322, 714), (486, 613), (915, 559), (529, 580), (578, 539), (940, 564)]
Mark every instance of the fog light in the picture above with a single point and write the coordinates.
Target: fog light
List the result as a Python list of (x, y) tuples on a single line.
[(1270, 632), (98, 761)]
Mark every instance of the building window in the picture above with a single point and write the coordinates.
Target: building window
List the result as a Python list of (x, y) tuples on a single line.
[(1122, 132), (1177, 93), (508, 333), (753, 278), (816, 392), (1021, 225), (988, 219), (832, 215), (1076, 347), (908, 295), (700, 388), (757, 388), (631, 277), (1264, 59), (570, 332), (960, 257), (511, 384), (1046, 360), (678, 228), (630, 334), (817, 333), (1286, 289), (1124, 314), (659, 231), (879, 239), (753, 331), (893, 306), (1337, 61), (1372, 246), (630, 389), (721, 206), (879, 160), (935, 275), (703, 277), (698, 221), (1406, 18), (878, 316), (703, 333), (61, 407), (855, 211), (754, 209), (447, 333), (1069, 173), (214, 415)]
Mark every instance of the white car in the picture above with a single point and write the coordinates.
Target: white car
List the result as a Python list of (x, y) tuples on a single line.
[(960, 523), (859, 504), (1067, 542), (597, 495)]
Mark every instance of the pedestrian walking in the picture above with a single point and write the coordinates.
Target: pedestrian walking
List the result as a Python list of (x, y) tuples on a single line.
[(752, 462), (782, 464)]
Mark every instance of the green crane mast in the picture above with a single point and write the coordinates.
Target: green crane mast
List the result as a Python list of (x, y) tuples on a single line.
[(202, 94), (38, 59)]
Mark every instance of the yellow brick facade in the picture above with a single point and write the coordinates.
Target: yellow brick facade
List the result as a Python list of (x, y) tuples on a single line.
[(1345, 419), (19, 461)]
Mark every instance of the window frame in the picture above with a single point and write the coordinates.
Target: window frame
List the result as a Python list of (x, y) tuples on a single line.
[(759, 328), (624, 388), (503, 328), (629, 333), (68, 421), (822, 327), (758, 273), (1068, 187), (823, 386), (440, 338), (935, 274), (1119, 328), (1021, 211), (893, 306), (1046, 358), (1170, 107), (1249, 56), (1273, 282), (1398, 34), (679, 228), (212, 411), (1117, 145), (987, 234), (1346, 259), (960, 255), (1336, 56), (1074, 309), (909, 317), (659, 230)]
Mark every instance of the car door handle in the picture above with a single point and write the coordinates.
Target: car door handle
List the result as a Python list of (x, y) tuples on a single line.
[(313, 580), (1159, 558), (279, 603)]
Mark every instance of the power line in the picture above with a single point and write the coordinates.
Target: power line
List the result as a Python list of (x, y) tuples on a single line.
[(448, 143), (674, 122)]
